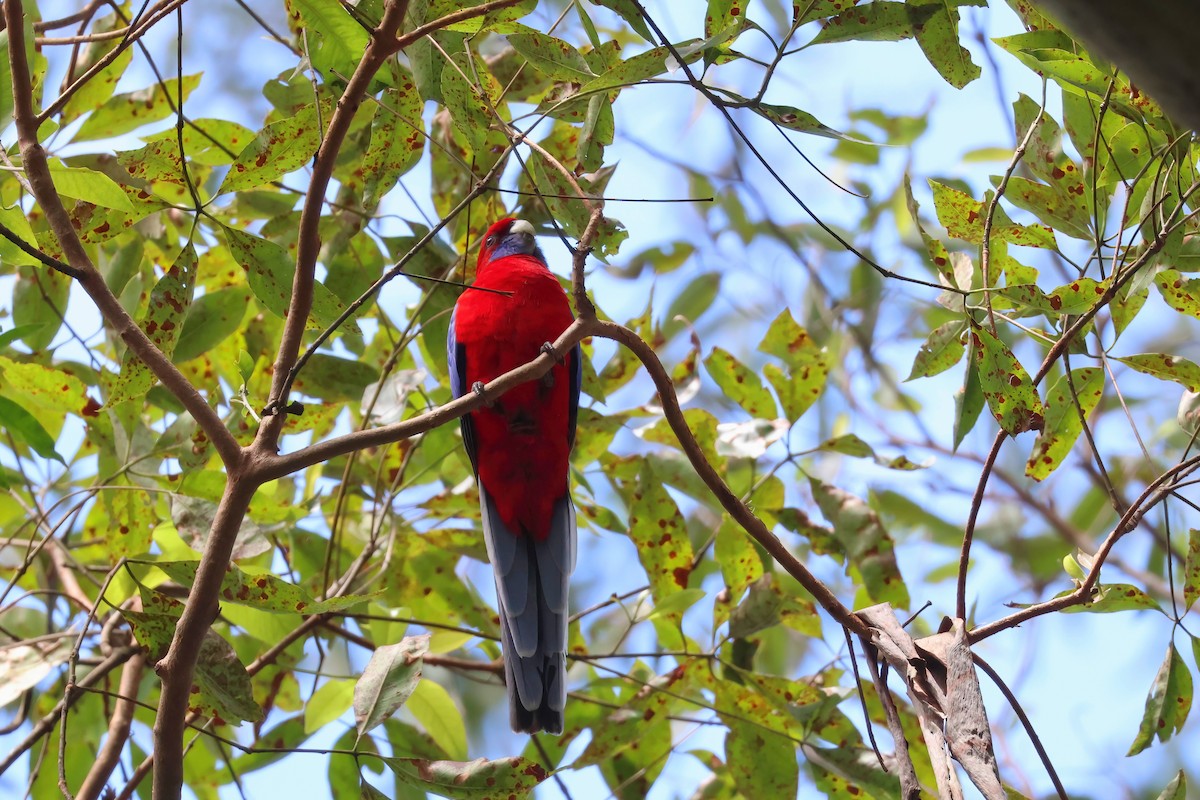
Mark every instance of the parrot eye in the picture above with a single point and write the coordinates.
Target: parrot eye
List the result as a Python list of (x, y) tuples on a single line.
[(490, 241)]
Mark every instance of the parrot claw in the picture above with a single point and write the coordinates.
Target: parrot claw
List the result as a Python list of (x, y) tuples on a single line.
[(478, 388), (549, 350)]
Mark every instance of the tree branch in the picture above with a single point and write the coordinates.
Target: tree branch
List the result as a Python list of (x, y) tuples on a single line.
[(118, 730), (179, 664)]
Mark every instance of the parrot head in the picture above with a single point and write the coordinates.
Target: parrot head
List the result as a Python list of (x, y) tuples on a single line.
[(508, 237)]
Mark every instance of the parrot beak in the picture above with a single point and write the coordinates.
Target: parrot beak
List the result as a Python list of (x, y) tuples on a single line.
[(521, 234)]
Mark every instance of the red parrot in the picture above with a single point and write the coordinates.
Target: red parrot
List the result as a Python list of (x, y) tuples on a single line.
[(519, 446)]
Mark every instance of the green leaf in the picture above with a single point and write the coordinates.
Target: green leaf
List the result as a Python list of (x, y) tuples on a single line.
[(642, 66), (740, 562), (282, 147), (1006, 385), (127, 112), (1166, 367), (470, 780), (552, 56), (808, 367), (940, 351), (1111, 598), (963, 218), (397, 141), (212, 318), (880, 21), (388, 680), (38, 305), (1062, 423), (433, 708), (1167, 704), (740, 384), (935, 24), (164, 318), (329, 702), (1191, 570), (660, 535), (225, 692), (89, 186), (1066, 214), (629, 11), (1180, 293), (269, 271), (867, 545), (795, 119), (341, 41), (14, 219), (761, 762), (262, 591), (24, 427), (332, 378)]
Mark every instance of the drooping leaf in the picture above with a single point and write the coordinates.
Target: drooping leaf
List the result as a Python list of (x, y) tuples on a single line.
[(1167, 704), (388, 680), (866, 543), (1062, 423), (940, 351), (1006, 385)]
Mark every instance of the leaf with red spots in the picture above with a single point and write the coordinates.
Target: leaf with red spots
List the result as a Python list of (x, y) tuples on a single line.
[(1067, 215), (940, 351), (397, 140), (1006, 386), (631, 12), (1166, 367), (280, 148), (1062, 423), (551, 56), (808, 10), (740, 384), (794, 119), (740, 562), (963, 218), (1191, 570), (269, 271), (643, 66), (470, 780), (221, 688), (808, 367), (388, 680), (880, 21), (127, 112), (761, 762), (866, 544), (169, 303), (48, 393), (1180, 293), (935, 24), (263, 591), (1167, 704), (660, 534)]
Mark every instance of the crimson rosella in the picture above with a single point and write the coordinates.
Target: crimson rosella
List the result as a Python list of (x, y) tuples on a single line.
[(519, 446)]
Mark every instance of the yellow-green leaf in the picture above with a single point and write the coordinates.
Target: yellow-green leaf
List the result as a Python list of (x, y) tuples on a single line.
[(1006, 385), (1062, 422)]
